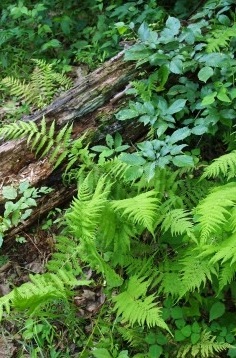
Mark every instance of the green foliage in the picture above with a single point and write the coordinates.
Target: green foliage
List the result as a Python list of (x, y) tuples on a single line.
[(174, 107), (158, 241), (135, 307), (51, 286), (19, 203), (43, 85), (42, 140)]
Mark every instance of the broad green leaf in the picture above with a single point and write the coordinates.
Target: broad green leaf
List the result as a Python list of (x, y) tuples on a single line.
[(132, 159), (179, 134), (150, 338), (123, 354), (155, 351), (109, 140), (179, 336), (9, 192), (138, 52), (205, 73), (214, 59), (163, 74), (183, 160), (177, 313), (180, 323), (222, 95), (117, 140), (195, 337), (209, 99), (24, 185), (161, 339), (99, 148), (217, 310), (173, 24), (147, 35), (107, 153), (176, 106), (186, 330), (196, 327), (121, 148), (125, 114), (162, 127), (176, 66), (199, 130), (101, 353)]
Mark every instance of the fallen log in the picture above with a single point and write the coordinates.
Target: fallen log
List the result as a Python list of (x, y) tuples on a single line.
[(90, 104)]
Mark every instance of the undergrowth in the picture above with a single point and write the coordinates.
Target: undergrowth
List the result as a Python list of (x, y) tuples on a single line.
[(144, 261)]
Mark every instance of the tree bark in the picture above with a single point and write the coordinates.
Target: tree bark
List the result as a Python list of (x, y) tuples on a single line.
[(90, 104)]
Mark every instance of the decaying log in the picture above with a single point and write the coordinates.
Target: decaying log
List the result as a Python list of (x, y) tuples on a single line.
[(90, 104)]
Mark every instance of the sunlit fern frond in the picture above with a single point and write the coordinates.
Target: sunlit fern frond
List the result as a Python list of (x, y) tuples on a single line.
[(206, 347), (135, 306), (213, 212), (220, 37), (141, 208), (223, 166)]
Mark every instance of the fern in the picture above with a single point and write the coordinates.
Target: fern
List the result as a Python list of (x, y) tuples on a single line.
[(227, 274), (142, 209), (213, 212), (226, 251), (134, 336), (134, 306), (170, 278), (86, 210), (196, 271), (50, 286), (220, 38), (43, 85), (41, 139), (178, 221), (206, 347), (224, 165)]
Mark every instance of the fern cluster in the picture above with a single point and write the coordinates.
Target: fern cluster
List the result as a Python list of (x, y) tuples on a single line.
[(124, 235), (42, 87), (55, 284), (220, 38)]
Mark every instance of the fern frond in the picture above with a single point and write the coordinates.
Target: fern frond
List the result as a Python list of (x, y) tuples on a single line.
[(196, 271), (220, 38), (20, 89), (213, 212), (206, 347), (50, 286), (43, 85), (40, 139), (19, 129), (170, 278), (178, 221), (226, 251), (134, 306), (86, 209), (134, 336), (227, 274), (224, 165), (193, 190), (141, 208)]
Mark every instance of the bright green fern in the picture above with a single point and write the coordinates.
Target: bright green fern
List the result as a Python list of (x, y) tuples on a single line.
[(43, 85), (40, 138)]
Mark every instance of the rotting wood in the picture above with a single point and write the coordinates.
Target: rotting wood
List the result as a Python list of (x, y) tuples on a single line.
[(84, 105)]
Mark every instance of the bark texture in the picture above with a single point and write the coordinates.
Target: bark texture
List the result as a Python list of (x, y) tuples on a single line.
[(90, 104)]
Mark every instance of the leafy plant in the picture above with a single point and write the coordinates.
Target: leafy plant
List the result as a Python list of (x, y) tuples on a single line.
[(19, 204), (42, 87), (45, 140)]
